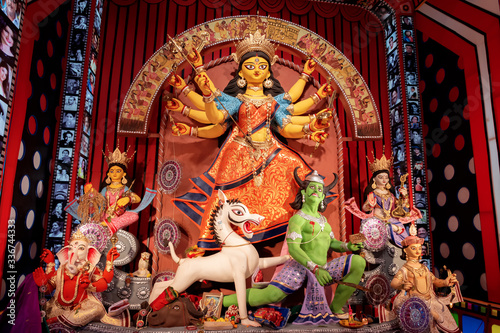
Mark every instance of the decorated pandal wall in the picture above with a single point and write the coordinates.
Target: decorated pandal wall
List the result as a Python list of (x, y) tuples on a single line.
[(258, 191)]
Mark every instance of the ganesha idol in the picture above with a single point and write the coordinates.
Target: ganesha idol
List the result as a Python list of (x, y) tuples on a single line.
[(110, 204), (381, 207), (75, 282)]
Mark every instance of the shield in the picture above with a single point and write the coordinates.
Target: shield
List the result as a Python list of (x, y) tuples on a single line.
[(166, 230), (127, 246), (414, 315), (375, 232), (96, 234), (380, 289), (169, 176)]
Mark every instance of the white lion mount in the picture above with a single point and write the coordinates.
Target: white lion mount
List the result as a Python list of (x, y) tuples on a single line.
[(237, 260)]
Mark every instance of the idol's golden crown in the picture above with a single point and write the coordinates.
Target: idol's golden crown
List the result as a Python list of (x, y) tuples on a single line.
[(78, 235), (383, 163), (118, 157), (255, 42)]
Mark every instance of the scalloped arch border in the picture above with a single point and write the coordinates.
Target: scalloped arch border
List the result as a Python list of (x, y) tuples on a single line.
[(361, 110)]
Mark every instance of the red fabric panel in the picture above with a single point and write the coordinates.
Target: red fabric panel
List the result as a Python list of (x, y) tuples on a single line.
[(34, 13), (480, 146), (488, 25)]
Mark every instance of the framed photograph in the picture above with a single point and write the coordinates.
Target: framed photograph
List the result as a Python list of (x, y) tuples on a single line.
[(69, 120), (382, 12), (399, 134), (73, 87), (82, 168), (413, 107), (62, 173), (80, 22), (84, 146), (389, 27), (61, 191), (411, 78), (395, 97), (78, 41), (213, 303), (76, 53), (392, 61), (8, 42), (392, 42), (414, 123), (70, 102), (81, 7), (67, 139), (420, 203), (65, 155), (58, 211), (56, 230), (399, 153), (75, 69), (12, 9), (406, 23), (412, 92), (89, 100)]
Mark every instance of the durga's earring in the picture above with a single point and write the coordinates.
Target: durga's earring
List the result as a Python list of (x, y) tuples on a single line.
[(322, 205), (108, 180), (303, 198), (268, 83), (124, 180), (241, 82), (374, 186), (388, 186)]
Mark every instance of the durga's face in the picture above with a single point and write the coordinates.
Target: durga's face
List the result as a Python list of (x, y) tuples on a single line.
[(255, 70)]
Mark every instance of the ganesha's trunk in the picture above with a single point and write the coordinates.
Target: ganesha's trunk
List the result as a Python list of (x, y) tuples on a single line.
[(71, 264)]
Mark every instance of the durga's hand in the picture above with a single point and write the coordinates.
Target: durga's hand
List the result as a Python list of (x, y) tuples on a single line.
[(195, 58), (174, 105), (325, 90), (206, 85), (322, 120), (47, 256), (403, 191), (176, 81), (319, 136), (181, 129), (309, 66)]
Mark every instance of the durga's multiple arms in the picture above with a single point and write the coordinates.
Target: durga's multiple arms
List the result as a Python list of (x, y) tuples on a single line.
[(208, 113)]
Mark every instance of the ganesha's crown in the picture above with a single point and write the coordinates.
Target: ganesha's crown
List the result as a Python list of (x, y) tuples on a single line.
[(118, 157), (78, 235), (383, 163), (255, 42)]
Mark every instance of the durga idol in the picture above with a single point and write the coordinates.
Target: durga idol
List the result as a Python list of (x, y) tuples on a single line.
[(252, 164)]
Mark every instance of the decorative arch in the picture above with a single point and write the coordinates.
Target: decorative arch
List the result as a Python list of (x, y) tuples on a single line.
[(361, 110)]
